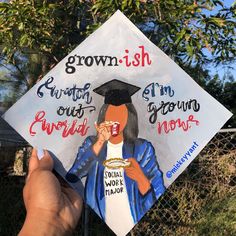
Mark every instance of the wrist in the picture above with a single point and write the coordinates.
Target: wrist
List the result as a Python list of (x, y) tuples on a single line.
[(144, 185), (98, 146), (41, 222), (100, 141)]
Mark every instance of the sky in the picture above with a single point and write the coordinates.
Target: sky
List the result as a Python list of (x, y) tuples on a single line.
[(221, 70)]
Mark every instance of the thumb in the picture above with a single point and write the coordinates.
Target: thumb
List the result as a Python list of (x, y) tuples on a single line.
[(33, 162), (46, 161), (131, 160)]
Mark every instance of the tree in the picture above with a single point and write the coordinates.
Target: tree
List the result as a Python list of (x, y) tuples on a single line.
[(180, 28), (225, 92), (12, 82), (44, 31), (189, 31)]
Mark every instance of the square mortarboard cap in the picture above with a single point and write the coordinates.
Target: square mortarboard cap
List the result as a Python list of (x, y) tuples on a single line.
[(116, 92)]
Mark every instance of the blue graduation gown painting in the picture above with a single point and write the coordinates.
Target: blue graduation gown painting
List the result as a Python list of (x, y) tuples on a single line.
[(87, 164)]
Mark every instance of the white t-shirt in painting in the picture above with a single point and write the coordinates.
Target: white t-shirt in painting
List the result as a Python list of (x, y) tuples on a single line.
[(118, 215)]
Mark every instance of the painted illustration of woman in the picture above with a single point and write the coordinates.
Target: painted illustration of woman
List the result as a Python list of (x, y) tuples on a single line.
[(123, 193)]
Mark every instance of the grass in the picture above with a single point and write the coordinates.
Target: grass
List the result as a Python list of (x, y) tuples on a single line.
[(197, 204), (218, 218)]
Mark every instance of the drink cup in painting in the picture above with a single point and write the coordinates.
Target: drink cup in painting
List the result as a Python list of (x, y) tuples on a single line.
[(115, 128)]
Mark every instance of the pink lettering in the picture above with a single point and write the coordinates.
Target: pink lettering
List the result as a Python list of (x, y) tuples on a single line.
[(143, 55), (171, 125), (141, 58), (49, 128)]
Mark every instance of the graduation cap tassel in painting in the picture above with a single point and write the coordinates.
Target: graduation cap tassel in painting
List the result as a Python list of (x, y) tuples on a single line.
[(122, 120)]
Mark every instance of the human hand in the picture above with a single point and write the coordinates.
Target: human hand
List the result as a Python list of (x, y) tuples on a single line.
[(52, 208), (103, 134), (135, 172), (103, 131)]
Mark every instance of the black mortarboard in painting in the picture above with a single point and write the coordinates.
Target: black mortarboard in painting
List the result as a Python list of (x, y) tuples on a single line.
[(116, 92)]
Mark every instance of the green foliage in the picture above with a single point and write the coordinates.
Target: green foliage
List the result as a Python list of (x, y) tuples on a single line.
[(38, 26), (225, 92), (202, 200), (181, 28), (218, 218), (188, 31), (12, 86), (105, 8), (41, 31)]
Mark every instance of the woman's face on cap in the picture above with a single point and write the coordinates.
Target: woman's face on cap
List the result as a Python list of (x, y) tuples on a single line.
[(117, 114)]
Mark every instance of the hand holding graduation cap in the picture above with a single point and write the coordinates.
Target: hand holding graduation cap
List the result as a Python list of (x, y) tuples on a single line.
[(53, 208)]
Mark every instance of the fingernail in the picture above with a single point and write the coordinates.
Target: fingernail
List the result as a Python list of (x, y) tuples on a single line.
[(40, 153)]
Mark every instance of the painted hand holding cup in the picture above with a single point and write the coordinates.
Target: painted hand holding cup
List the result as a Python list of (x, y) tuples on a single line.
[(103, 131), (114, 127), (107, 129), (135, 172)]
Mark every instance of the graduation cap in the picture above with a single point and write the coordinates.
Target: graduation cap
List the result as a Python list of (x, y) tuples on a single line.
[(116, 92)]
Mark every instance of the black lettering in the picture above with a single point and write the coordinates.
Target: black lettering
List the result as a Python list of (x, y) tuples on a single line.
[(88, 61), (105, 177), (69, 68), (74, 111), (171, 106), (60, 110), (153, 116), (107, 183), (113, 59), (168, 90), (75, 93), (100, 59), (196, 105), (46, 85), (163, 106), (112, 191), (86, 95), (166, 107), (182, 106), (80, 58), (56, 92)]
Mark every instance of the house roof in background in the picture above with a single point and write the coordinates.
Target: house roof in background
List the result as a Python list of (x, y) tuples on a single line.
[(7, 134)]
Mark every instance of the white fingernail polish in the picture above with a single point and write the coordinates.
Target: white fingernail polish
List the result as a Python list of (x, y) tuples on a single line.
[(40, 153)]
